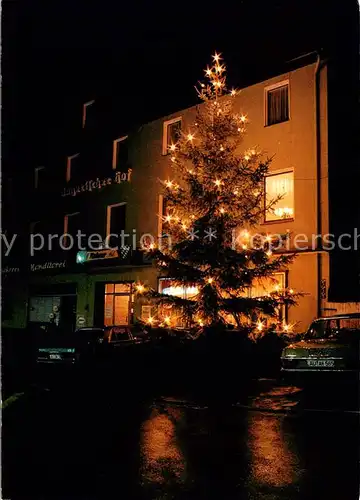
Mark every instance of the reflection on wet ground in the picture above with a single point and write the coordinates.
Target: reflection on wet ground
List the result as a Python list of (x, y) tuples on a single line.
[(161, 456), (272, 463), (162, 449), (277, 398)]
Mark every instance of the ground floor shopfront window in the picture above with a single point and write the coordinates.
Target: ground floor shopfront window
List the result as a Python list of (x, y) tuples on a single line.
[(53, 303), (167, 287), (117, 303)]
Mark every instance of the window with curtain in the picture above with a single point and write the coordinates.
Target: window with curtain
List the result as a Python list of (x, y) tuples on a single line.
[(277, 104), (276, 185)]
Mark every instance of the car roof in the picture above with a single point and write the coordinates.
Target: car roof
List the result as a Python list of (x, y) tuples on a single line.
[(339, 316)]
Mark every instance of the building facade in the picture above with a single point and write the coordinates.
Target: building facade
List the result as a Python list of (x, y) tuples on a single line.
[(115, 189)]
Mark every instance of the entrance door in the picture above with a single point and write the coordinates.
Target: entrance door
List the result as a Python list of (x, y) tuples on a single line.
[(117, 304)]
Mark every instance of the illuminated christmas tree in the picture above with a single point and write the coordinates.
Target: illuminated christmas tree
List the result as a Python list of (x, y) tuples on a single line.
[(214, 202)]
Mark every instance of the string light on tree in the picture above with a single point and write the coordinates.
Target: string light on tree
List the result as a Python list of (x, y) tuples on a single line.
[(260, 326), (140, 288), (216, 57)]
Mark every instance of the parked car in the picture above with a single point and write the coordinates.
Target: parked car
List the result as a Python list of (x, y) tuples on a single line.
[(87, 344), (59, 347), (331, 344), (122, 337)]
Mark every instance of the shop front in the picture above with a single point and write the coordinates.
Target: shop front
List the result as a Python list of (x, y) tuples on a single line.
[(53, 303)]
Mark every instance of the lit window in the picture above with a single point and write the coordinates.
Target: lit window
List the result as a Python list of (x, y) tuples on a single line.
[(280, 185), (167, 287), (277, 103), (265, 286), (117, 304), (37, 176), (261, 288), (172, 316), (85, 112), (70, 166), (120, 153), (171, 133), (115, 218)]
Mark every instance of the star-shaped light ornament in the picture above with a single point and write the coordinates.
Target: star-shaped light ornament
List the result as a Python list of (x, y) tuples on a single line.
[(216, 57)]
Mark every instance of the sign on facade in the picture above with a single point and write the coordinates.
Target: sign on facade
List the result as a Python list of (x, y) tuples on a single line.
[(81, 320), (93, 185)]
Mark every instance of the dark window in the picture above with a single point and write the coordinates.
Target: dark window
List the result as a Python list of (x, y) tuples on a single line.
[(39, 175), (73, 168), (173, 132), (278, 105), (117, 218), (72, 224), (88, 120), (121, 154)]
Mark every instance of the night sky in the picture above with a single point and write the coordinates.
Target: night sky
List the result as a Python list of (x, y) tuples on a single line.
[(141, 59)]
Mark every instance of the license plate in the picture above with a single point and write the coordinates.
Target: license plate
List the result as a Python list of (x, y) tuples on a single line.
[(55, 356), (321, 362)]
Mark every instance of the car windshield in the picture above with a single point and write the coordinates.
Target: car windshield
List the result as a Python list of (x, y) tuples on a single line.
[(334, 328)]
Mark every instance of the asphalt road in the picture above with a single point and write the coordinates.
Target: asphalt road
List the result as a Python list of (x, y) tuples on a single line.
[(281, 441)]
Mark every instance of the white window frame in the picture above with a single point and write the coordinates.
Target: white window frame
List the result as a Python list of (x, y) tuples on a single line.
[(115, 146), (266, 91), (108, 215), (165, 132), (272, 174), (85, 106), (36, 176), (68, 166)]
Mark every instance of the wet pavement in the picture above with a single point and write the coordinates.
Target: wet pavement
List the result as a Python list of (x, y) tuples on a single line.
[(281, 441)]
